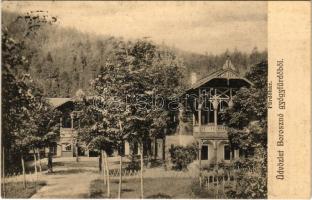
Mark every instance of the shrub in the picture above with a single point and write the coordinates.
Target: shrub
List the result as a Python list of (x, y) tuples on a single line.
[(182, 156), (200, 192), (221, 164), (250, 186), (252, 177), (134, 164), (159, 196)]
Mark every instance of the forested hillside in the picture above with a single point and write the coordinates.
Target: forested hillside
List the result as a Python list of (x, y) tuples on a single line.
[(63, 60), (203, 64)]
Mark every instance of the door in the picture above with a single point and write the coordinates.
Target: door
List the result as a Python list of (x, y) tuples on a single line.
[(204, 152), (159, 148)]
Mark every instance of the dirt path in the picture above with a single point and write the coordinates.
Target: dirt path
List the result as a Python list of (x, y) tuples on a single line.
[(66, 185)]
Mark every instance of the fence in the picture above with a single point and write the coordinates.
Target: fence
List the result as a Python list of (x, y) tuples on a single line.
[(125, 173), (18, 177), (218, 184), (12, 183)]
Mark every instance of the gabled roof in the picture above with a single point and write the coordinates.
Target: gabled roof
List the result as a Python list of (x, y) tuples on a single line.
[(227, 73), (56, 102)]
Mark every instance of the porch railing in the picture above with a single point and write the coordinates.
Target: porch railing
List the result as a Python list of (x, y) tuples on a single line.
[(209, 128), (67, 132)]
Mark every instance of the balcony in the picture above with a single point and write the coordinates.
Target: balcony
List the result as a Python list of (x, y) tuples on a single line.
[(67, 132), (210, 131)]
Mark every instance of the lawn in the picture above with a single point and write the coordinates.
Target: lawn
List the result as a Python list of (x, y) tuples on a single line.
[(74, 164), (16, 189), (176, 188)]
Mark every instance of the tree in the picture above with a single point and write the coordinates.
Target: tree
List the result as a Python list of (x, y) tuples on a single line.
[(248, 132), (250, 111), (21, 96), (65, 84), (123, 95)]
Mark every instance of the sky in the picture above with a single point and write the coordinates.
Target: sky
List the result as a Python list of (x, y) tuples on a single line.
[(201, 27)]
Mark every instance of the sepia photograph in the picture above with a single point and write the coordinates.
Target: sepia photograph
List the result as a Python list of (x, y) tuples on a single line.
[(134, 99)]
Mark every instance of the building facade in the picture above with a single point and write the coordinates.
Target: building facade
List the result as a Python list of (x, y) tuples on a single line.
[(200, 115), (68, 145)]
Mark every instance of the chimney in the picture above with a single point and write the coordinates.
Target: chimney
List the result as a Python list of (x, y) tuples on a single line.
[(228, 64), (193, 78)]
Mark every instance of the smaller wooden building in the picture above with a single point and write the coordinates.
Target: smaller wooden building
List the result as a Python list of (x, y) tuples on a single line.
[(69, 146)]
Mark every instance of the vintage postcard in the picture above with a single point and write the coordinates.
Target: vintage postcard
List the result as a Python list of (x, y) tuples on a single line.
[(139, 99)]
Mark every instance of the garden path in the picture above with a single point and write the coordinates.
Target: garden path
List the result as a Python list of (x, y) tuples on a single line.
[(66, 184)]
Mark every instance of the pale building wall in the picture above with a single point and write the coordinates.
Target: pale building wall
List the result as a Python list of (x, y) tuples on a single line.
[(220, 153), (236, 154), (59, 150), (127, 148)]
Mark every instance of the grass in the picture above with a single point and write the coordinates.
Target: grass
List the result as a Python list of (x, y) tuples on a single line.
[(69, 171), (176, 188), (16, 190), (74, 164)]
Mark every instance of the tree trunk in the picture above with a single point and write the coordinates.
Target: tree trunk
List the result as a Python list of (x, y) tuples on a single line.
[(50, 165), (141, 156), (148, 158), (103, 170), (36, 172), (3, 173), (39, 158), (77, 157), (199, 157), (101, 162), (23, 169), (107, 174), (120, 178)]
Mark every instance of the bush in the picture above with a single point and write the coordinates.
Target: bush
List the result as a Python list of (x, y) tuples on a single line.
[(200, 192), (182, 156), (250, 186), (221, 164), (134, 164), (252, 177)]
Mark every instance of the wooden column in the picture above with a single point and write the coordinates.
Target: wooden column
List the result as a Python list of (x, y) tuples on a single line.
[(230, 103), (72, 120), (215, 104), (199, 110), (61, 122), (199, 156), (72, 131), (215, 111), (194, 109), (215, 147), (199, 117)]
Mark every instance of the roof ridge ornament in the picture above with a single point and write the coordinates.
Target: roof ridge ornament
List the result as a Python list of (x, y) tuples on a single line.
[(228, 64)]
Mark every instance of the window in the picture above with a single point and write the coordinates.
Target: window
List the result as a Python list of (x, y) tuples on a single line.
[(240, 153), (135, 148), (227, 152), (204, 152), (66, 147)]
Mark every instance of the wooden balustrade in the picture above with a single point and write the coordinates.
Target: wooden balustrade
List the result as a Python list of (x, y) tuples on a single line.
[(209, 128)]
